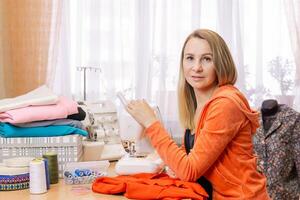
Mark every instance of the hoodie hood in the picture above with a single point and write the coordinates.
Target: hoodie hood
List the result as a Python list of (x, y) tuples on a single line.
[(231, 92)]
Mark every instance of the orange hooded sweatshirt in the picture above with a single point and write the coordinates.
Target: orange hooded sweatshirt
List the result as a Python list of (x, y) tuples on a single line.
[(223, 150)]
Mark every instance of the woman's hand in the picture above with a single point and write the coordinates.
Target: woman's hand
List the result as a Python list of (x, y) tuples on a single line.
[(170, 172), (141, 112)]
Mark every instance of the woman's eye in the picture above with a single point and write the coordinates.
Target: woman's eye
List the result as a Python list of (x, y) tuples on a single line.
[(207, 59), (189, 58)]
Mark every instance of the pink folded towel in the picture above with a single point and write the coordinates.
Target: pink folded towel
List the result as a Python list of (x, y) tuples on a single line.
[(62, 109)]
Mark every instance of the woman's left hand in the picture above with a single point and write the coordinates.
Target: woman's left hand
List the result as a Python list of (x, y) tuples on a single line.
[(141, 112)]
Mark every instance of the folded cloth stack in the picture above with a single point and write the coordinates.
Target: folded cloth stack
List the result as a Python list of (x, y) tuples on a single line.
[(149, 186), (40, 113)]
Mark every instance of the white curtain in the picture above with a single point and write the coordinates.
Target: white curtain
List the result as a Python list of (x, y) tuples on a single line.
[(292, 8), (137, 43), (59, 76)]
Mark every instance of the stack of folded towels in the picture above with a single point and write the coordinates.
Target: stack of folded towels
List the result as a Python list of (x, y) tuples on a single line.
[(40, 113)]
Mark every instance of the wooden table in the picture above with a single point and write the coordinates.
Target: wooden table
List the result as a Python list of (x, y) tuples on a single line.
[(62, 191)]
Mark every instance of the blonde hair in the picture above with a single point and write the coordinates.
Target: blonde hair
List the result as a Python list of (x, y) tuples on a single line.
[(225, 70)]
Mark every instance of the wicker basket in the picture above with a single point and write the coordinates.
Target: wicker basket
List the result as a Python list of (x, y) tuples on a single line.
[(68, 148)]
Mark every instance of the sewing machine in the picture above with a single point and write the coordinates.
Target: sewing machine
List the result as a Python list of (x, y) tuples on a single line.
[(103, 142), (141, 156)]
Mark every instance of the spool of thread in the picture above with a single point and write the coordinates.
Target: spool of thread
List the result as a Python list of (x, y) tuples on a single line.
[(87, 172), (79, 172), (68, 174), (47, 173), (53, 166), (45, 160), (37, 176)]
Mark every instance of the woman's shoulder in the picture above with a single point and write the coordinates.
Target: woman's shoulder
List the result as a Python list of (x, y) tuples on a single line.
[(229, 102), (227, 90), (223, 103), (229, 94), (228, 99)]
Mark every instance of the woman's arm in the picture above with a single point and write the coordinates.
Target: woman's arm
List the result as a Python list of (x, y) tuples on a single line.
[(222, 123)]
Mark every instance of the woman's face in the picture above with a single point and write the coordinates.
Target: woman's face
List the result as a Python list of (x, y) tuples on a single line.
[(198, 67)]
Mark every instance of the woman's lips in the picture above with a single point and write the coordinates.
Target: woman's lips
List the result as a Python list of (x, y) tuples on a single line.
[(197, 78)]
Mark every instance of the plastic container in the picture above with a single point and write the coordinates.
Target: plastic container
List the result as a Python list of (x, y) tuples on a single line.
[(69, 148), (85, 172)]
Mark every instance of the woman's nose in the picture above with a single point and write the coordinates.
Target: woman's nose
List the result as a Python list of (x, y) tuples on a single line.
[(198, 66)]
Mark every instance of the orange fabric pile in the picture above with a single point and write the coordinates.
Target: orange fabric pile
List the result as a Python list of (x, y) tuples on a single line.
[(149, 186)]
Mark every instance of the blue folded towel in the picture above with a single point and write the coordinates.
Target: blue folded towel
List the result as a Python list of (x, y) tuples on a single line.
[(8, 130)]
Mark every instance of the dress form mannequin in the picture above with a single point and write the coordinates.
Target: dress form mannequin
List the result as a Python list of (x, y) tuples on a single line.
[(269, 108), (277, 144)]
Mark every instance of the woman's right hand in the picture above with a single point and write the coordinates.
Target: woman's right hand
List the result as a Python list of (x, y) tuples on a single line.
[(170, 172)]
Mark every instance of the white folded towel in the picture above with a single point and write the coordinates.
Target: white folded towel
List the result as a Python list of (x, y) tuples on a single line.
[(40, 96)]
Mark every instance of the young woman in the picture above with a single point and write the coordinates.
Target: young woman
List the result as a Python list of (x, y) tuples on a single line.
[(219, 123)]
